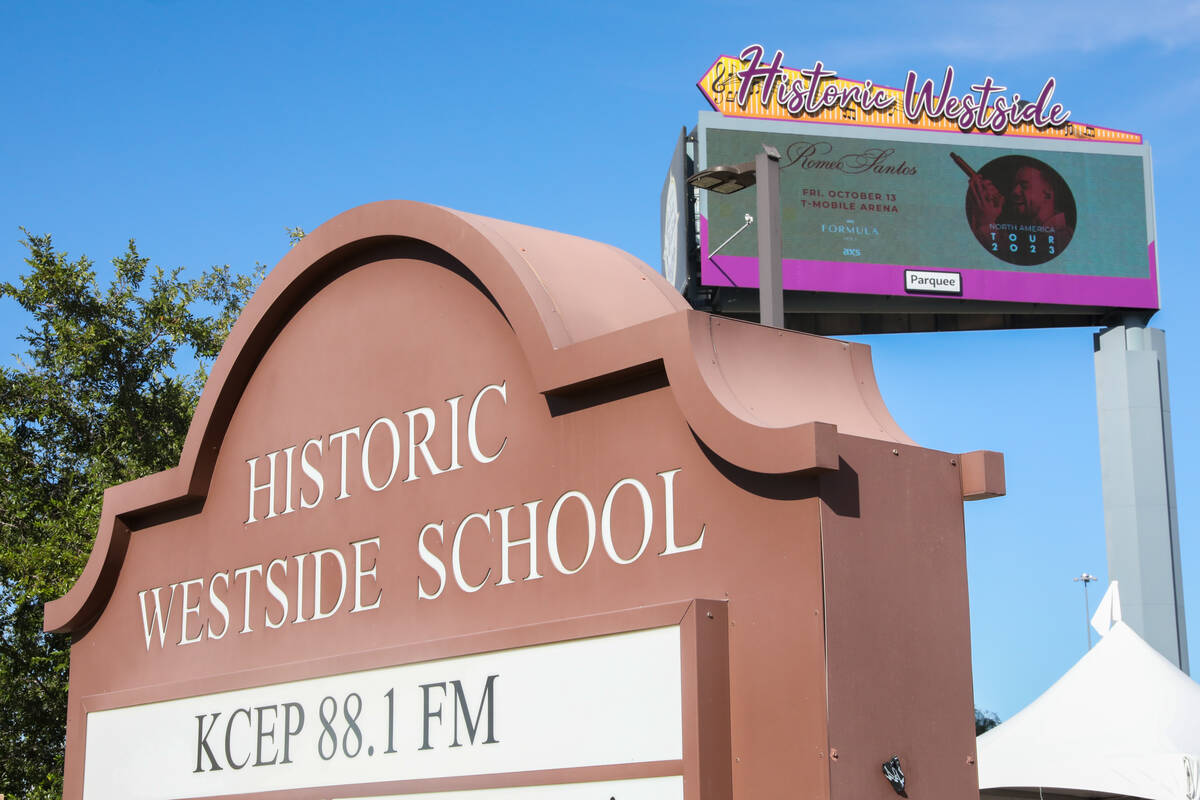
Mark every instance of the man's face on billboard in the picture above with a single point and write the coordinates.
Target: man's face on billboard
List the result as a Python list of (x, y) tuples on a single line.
[(1032, 196)]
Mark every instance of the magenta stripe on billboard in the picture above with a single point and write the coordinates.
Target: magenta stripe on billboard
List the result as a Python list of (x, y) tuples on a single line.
[(977, 284)]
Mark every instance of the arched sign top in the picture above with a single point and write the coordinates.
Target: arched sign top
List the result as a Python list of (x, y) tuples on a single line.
[(585, 314)]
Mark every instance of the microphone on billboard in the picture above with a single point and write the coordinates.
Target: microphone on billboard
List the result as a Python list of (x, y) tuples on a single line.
[(963, 165)]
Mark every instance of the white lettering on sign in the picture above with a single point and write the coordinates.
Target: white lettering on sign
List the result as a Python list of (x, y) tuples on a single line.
[(922, 281), (265, 594), (432, 536), (382, 435), (613, 699), (296, 588)]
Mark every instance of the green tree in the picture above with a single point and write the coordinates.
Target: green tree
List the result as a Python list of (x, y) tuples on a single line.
[(98, 398), (985, 721)]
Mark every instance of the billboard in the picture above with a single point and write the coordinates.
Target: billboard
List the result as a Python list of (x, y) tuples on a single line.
[(916, 213), (674, 217)]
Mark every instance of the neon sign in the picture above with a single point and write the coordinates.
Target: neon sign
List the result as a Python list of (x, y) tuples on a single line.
[(752, 86)]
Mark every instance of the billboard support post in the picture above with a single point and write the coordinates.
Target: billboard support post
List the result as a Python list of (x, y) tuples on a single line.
[(1138, 478), (770, 238)]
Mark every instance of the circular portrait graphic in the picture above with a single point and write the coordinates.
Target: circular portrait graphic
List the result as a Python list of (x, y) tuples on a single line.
[(1019, 209)]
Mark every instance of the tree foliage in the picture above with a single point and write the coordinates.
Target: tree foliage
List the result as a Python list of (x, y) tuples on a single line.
[(985, 721), (97, 399)]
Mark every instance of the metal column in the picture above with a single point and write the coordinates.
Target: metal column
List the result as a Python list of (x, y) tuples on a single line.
[(1138, 478), (770, 238)]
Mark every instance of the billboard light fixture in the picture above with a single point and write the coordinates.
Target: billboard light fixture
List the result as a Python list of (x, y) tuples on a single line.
[(725, 179)]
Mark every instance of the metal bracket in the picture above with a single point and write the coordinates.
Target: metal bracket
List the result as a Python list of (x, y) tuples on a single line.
[(895, 775)]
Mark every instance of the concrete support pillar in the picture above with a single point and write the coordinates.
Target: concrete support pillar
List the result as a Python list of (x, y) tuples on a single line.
[(1138, 471)]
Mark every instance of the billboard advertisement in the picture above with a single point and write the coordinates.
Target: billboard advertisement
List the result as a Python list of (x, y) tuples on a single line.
[(908, 213)]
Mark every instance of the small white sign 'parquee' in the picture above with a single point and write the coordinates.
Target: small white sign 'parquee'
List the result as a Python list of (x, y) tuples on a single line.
[(926, 282)]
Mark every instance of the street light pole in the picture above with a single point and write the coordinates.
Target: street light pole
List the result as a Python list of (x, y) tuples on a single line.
[(770, 238), (763, 171), (1086, 578)]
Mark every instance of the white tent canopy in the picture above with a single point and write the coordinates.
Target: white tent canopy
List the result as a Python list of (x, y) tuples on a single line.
[(1124, 721)]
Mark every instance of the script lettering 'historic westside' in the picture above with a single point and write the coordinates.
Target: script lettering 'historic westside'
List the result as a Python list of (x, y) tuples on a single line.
[(985, 108)]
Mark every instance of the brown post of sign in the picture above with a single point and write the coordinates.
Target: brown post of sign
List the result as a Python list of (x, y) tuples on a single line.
[(468, 505)]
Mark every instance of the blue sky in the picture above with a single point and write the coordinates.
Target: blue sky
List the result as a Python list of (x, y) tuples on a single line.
[(205, 130)]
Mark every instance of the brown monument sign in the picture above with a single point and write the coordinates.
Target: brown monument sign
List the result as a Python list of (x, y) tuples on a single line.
[(476, 510)]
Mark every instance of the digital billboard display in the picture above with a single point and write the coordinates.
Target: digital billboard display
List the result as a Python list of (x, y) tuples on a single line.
[(916, 213)]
